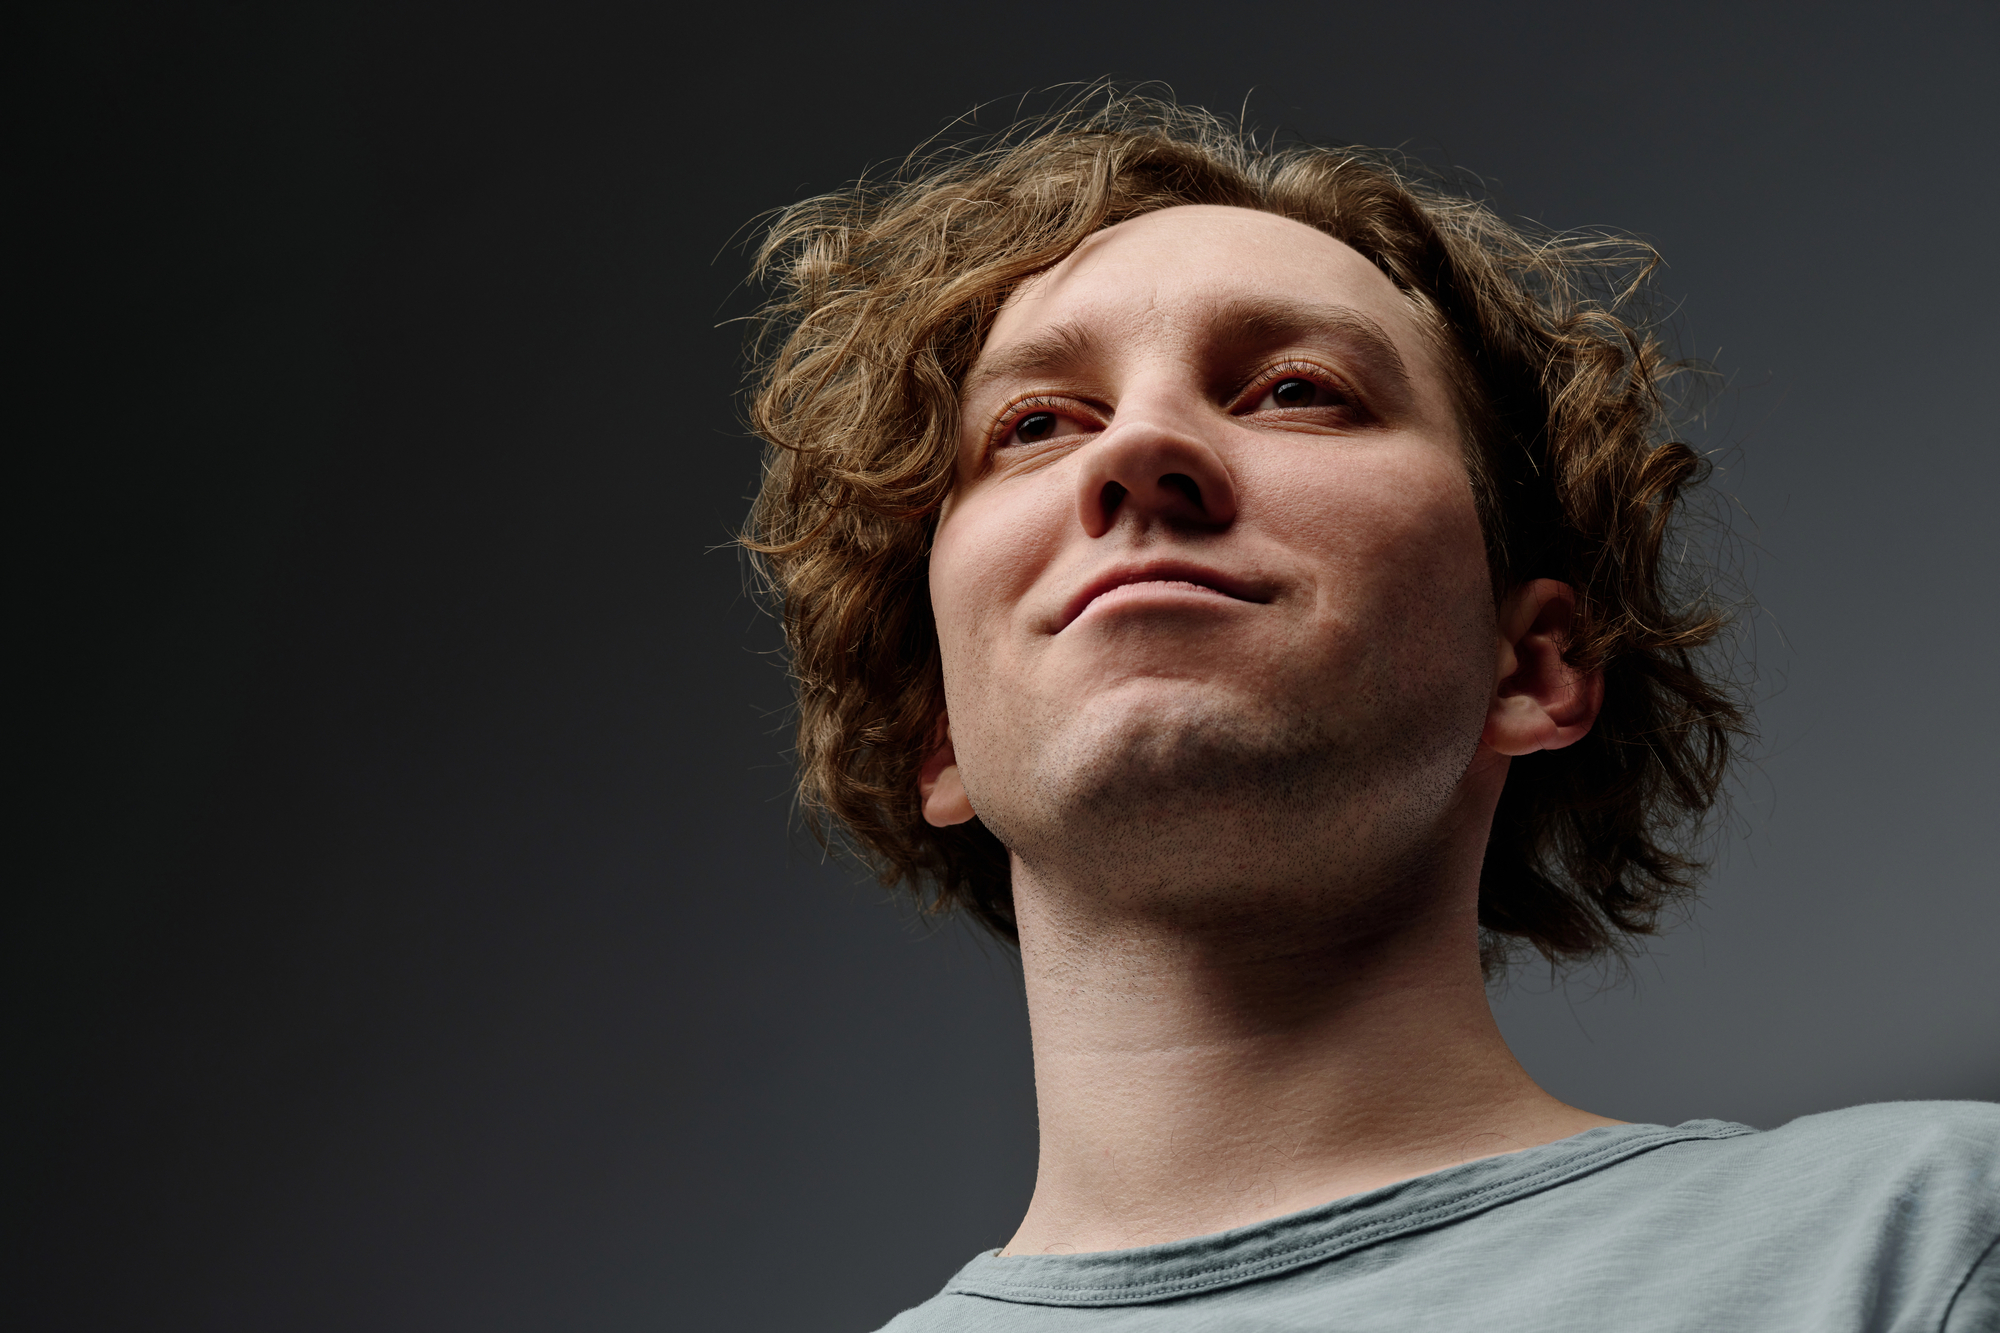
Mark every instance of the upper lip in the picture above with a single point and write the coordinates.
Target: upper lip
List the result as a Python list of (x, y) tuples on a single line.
[(1155, 571)]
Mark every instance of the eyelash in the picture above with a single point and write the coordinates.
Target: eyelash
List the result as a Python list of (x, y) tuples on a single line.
[(1296, 370), (1014, 413)]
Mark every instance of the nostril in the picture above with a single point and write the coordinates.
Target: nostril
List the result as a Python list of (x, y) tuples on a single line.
[(1186, 485), (1111, 497)]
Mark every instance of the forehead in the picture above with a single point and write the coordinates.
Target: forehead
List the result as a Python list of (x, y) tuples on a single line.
[(1171, 270)]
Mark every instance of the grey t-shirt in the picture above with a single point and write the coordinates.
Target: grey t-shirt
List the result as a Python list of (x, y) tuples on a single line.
[(1878, 1218)]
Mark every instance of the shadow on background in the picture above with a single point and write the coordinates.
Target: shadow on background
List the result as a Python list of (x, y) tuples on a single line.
[(413, 938)]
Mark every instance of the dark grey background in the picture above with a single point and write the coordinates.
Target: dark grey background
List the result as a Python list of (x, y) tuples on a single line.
[(412, 937)]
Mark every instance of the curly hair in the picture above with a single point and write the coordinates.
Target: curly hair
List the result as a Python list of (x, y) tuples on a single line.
[(883, 295)]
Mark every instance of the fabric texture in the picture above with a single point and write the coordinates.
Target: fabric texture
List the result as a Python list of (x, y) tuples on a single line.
[(1880, 1218)]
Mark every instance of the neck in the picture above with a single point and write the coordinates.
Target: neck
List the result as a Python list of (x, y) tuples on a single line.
[(1190, 1080)]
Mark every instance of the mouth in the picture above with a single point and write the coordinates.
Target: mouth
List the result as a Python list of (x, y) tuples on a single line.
[(1171, 577)]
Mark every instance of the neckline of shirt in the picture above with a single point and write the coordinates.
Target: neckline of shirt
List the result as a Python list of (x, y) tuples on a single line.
[(1263, 1249)]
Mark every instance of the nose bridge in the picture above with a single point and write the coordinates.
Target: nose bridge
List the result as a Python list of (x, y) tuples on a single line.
[(1162, 390), (1156, 463)]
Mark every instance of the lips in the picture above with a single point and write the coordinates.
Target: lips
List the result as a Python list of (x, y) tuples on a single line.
[(1192, 578)]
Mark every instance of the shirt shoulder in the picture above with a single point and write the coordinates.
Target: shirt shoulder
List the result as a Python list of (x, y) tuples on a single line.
[(1881, 1216), (1918, 1174), (1927, 1126), (1939, 1151)]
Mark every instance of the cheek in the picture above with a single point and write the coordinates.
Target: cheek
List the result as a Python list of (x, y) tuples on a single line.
[(1425, 530), (1397, 532), (990, 549)]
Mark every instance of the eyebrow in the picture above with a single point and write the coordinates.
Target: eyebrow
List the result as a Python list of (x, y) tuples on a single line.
[(1067, 346), (1054, 351), (1268, 322)]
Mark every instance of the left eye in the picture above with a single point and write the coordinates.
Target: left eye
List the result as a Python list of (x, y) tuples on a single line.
[(1295, 391)]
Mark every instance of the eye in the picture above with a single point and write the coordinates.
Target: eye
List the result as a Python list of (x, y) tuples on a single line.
[(1035, 426), (1037, 421), (1295, 391), (1301, 395)]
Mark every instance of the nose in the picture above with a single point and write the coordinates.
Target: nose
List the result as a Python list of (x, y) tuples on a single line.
[(1148, 471)]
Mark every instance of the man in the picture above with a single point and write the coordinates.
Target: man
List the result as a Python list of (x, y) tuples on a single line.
[(1239, 578)]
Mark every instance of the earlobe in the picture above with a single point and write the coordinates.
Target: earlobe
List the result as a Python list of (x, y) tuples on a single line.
[(945, 801), (1540, 701)]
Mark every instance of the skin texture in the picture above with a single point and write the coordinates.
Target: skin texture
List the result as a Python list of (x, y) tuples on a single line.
[(1225, 674)]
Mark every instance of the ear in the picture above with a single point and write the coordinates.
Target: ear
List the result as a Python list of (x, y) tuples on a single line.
[(945, 801), (1540, 702)]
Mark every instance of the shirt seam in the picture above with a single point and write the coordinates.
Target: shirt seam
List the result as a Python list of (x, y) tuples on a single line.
[(1963, 1283), (1300, 1253)]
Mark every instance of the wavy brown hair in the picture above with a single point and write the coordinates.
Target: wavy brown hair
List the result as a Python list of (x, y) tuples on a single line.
[(882, 297)]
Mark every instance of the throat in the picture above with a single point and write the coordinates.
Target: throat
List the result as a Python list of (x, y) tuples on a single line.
[(1187, 1086)]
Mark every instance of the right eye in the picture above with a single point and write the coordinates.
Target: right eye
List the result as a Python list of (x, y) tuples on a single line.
[(1035, 427), (1035, 422)]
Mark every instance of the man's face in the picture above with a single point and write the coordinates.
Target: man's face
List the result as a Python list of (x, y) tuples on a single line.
[(1210, 589)]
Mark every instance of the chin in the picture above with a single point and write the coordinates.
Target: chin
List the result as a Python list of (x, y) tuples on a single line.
[(1167, 780), (1179, 751)]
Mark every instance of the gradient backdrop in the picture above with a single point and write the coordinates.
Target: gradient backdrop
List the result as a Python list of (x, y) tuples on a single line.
[(413, 939)]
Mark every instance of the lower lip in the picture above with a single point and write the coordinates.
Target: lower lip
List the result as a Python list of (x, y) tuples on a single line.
[(1172, 590)]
